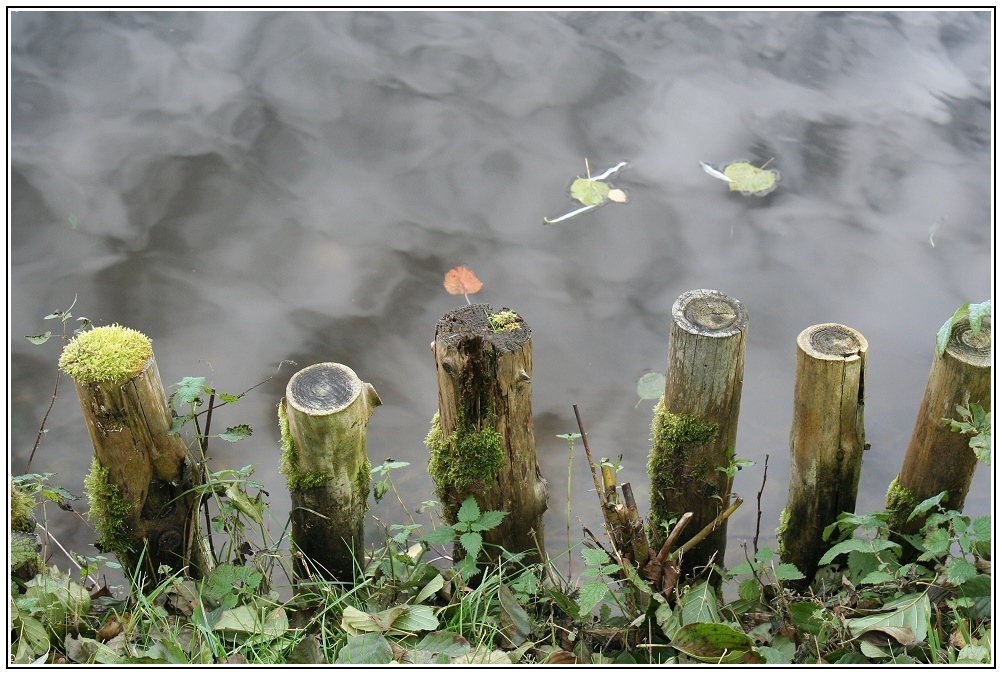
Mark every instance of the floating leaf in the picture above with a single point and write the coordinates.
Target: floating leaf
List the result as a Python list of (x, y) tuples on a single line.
[(750, 180), (462, 281), (617, 195), (589, 192), (650, 386)]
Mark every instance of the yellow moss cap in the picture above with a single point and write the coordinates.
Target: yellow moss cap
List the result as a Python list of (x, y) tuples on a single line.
[(105, 354)]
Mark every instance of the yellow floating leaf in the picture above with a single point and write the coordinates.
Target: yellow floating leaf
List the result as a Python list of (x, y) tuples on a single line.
[(749, 179)]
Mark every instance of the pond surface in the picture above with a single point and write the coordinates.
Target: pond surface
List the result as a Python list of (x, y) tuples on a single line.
[(248, 188)]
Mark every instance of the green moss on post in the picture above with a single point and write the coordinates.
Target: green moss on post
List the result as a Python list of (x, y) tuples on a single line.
[(467, 458), (25, 561), (900, 502), (106, 353), (142, 484), (109, 513), (673, 439)]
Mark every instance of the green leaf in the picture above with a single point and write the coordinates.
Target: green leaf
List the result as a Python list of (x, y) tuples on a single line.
[(926, 504), (910, 611), (749, 179), (188, 391), (877, 577), (252, 508), (488, 521), (651, 386), (749, 590), (764, 555), (589, 192), (430, 589), (699, 604), (416, 618), (246, 620), (370, 648), (442, 535), (715, 643), (788, 572), (228, 398), (943, 334), (444, 642), (472, 542), (807, 616), (959, 570), (595, 557), (39, 339), (977, 313), (234, 434), (744, 568), (856, 545), (590, 594), (515, 624), (469, 511)]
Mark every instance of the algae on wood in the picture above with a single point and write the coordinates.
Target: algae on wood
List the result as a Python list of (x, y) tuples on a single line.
[(323, 420), (481, 441), (826, 440), (695, 424), (141, 487), (938, 458)]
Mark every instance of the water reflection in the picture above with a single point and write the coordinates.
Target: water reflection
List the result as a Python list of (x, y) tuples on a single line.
[(252, 187)]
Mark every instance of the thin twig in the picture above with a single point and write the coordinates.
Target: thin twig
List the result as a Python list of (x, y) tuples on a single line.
[(591, 462), (758, 518), (705, 532)]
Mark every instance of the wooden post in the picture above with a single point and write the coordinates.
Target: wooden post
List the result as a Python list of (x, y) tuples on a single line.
[(937, 458), (826, 440), (141, 484), (696, 421), (323, 420), (481, 441)]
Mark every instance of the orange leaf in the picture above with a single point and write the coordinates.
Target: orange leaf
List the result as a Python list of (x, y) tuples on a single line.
[(461, 280)]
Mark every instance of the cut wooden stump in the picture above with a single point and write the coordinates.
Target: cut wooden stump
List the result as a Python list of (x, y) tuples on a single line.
[(481, 441), (938, 458), (695, 423), (141, 487), (323, 420), (827, 439)]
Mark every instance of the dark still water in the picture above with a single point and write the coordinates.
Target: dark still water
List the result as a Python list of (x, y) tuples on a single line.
[(251, 187)]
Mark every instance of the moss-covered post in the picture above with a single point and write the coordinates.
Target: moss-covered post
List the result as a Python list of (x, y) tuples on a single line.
[(481, 442), (696, 421), (141, 483), (323, 420), (826, 440), (938, 458)]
